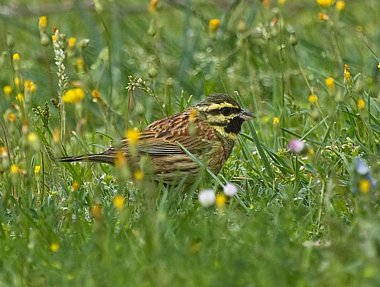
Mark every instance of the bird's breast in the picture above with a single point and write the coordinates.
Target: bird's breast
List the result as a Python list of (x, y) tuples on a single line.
[(219, 154)]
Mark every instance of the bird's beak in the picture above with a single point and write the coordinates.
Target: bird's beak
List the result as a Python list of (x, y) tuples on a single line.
[(245, 115)]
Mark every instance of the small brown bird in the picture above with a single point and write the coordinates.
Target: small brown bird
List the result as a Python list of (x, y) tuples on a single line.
[(207, 130)]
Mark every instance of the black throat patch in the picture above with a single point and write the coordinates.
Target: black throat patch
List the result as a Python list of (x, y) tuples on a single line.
[(234, 126)]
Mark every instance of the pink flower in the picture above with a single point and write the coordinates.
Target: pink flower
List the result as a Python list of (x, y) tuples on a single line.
[(297, 146), (230, 189)]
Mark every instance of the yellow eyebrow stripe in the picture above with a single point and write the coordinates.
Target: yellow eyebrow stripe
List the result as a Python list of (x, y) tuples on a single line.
[(217, 106)]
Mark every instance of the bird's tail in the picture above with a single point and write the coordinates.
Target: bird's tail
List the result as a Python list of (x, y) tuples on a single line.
[(97, 157)]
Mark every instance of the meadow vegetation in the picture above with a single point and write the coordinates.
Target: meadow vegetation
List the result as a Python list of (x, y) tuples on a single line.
[(76, 76)]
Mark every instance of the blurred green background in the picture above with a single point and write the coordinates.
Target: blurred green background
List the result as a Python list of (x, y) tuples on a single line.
[(309, 70)]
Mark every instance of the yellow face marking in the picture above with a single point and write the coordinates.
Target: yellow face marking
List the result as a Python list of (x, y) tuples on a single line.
[(219, 118), (223, 133)]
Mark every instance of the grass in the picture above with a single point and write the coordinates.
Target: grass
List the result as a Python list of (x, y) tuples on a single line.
[(299, 219)]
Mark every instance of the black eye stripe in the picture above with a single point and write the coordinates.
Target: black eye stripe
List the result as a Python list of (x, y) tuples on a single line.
[(226, 111)]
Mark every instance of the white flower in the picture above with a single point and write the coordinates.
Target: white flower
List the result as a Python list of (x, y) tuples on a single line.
[(361, 166), (230, 189), (206, 197)]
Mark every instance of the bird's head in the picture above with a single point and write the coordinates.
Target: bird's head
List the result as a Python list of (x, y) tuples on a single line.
[(224, 114)]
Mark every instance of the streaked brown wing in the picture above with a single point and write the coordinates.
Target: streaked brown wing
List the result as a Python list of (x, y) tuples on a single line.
[(160, 138), (160, 146)]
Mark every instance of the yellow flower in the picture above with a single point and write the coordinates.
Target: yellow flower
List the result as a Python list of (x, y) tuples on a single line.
[(74, 186), (378, 66), (325, 3), (11, 117), (364, 185), (96, 211), (16, 57), (42, 22), (7, 89), (14, 169), (266, 3), (213, 25), (53, 38), (347, 73), (95, 94), (281, 2), (152, 5), (118, 202), (3, 151), (71, 42), (32, 138), (79, 64), (20, 97), (276, 121), (138, 175), (54, 247), (220, 201), (313, 99), (30, 86), (120, 159), (340, 5), (330, 83), (361, 104), (73, 96), (310, 152), (16, 61), (37, 169), (132, 136), (323, 16), (17, 81)]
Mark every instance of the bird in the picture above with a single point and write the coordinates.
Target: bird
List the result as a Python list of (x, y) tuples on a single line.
[(207, 130)]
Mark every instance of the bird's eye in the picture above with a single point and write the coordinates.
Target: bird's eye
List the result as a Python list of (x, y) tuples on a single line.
[(226, 111)]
